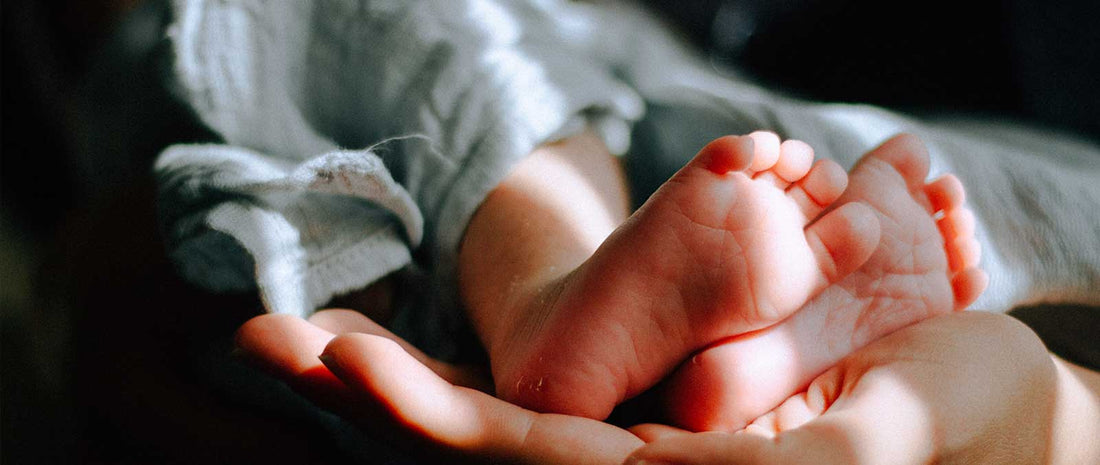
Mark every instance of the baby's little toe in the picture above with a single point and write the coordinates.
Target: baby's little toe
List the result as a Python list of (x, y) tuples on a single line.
[(957, 223), (945, 193), (963, 252), (968, 285)]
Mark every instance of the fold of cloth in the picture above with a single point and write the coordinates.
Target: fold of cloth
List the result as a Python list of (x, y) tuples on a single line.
[(1034, 191), (301, 203), (359, 137)]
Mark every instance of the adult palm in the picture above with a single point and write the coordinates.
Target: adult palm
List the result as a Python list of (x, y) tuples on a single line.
[(346, 363), (961, 388), (964, 388)]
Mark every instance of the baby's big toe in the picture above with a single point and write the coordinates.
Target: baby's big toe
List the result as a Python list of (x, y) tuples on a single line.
[(726, 386), (725, 154), (945, 193), (843, 240)]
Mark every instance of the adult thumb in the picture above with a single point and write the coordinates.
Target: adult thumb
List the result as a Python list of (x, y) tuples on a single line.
[(879, 423), (848, 415)]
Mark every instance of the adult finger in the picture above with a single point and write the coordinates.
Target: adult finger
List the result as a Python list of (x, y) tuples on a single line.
[(847, 434), (341, 321), (933, 391), (284, 345), (650, 432), (287, 347), (467, 422), (712, 448)]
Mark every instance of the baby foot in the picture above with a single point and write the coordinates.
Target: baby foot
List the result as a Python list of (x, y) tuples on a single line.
[(724, 247), (925, 265)]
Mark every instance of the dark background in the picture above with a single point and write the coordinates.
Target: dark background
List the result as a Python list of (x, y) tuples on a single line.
[(96, 329)]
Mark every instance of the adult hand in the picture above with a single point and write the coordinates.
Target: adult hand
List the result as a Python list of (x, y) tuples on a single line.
[(963, 388), (346, 363)]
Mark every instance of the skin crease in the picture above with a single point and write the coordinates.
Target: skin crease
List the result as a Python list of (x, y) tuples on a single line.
[(562, 291), (1012, 402), (365, 374), (965, 388), (921, 268)]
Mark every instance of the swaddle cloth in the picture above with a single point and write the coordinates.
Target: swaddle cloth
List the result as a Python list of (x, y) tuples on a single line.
[(1034, 191), (360, 136)]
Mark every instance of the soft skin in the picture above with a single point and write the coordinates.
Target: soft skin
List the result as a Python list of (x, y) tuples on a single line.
[(965, 388), (981, 388), (580, 309), (344, 362), (926, 264)]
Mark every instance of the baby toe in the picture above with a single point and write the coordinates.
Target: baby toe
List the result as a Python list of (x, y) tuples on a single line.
[(765, 150), (958, 223), (824, 183), (795, 159), (945, 193), (968, 285), (962, 253), (728, 385), (843, 239), (725, 154)]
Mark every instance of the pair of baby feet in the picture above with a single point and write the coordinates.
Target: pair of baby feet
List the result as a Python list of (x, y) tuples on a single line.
[(719, 262)]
